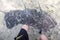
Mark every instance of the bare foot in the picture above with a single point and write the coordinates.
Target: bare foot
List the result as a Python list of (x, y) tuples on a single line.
[(25, 27), (43, 37)]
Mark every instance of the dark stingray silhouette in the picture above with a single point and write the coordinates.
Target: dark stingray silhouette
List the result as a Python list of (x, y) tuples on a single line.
[(39, 20)]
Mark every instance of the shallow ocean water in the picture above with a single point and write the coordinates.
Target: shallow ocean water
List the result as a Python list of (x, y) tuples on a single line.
[(50, 10)]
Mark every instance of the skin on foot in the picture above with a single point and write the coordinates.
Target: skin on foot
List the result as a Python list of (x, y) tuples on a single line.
[(25, 27)]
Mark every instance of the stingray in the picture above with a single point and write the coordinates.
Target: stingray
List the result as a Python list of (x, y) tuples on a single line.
[(32, 17)]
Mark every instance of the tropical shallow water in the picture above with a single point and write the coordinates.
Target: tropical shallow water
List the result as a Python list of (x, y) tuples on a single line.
[(49, 9)]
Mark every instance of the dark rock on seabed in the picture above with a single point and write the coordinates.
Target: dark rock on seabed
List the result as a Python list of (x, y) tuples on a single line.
[(31, 17)]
